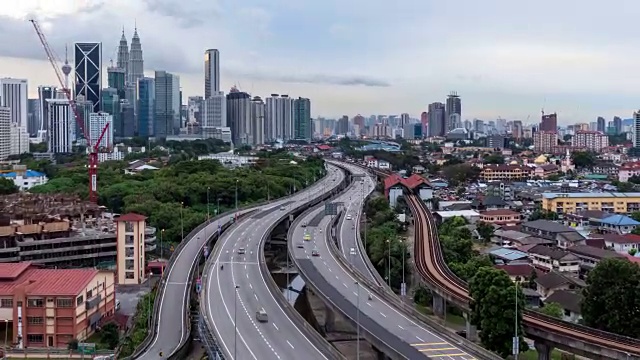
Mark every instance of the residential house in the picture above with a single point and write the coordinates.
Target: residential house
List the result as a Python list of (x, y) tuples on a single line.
[(548, 258), (628, 170), (621, 243), (418, 169), (519, 273), (606, 168), (564, 236), (508, 256), (489, 203), (553, 281), (544, 171), (590, 256), (501, 217), (620, 224), (569, 301), (585, 218)]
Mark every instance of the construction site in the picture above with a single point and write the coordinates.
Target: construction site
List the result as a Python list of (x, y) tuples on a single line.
[(60, 231)]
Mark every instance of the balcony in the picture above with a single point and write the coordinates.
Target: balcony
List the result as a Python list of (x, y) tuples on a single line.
[(93, 302)]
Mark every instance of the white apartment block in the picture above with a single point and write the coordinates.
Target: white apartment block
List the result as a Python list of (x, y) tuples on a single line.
[(97, 122), (61, 125), (592, 140), (13, 94), (5, 132), (545, 141), (19, 139), (279, 117)]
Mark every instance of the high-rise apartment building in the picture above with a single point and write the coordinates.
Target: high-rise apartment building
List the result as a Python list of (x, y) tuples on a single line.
[(19, 139), (453, 106), (214, 114), (635, 135), (33, 117), (211, 72), (437, 125), (517, 130), (194, 109), (13, 95), (549, 122), (45, 93), (167, 104), (342, 127), (111, 104), (146, 106), (239, 117), (97, 122), (279, 117), (88, 72), (302, 119), (592, 140), (545, 141), (61, 133), (257, 120), (359, 121), (5, 132), (424, 120), (601, 124)]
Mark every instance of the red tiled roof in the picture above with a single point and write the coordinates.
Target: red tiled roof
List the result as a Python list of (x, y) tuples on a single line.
[(10, 271), (499, 212), (413, 181), (621, 239), (131, 217), (323, 147), (49, 282), (392, 180)]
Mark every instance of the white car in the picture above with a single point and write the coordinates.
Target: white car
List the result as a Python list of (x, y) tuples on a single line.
[(352, 251), (348, 217)]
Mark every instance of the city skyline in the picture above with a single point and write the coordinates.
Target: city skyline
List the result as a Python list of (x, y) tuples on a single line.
[(349, 64)]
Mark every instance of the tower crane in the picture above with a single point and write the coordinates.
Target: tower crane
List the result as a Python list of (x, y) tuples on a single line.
[(94, 148)]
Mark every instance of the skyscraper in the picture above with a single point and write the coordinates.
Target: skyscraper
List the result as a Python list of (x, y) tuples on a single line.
[(60, 120), (88, 72), (239, 116), (123, 56), (601, 125), (45, 93), (117, 78), (167, 104), (5, 132), (97, 122), (437, 125), (214, 114), (279, 117), (13, 94), (257, 120), (111, 106), (146, 99), (33, 117), (211, 72), (617, 124), (302, 119), (454, 106), (549, 122), (136, 62)]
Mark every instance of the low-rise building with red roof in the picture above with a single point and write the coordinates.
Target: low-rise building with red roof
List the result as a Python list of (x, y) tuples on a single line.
[(55, 306), (501, 217)]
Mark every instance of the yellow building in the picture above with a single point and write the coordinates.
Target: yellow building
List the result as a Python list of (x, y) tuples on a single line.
[(571, 203), (130, 259)]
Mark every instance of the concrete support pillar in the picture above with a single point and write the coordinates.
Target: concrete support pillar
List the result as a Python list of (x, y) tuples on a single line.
[(543, 349), (438, 305), (329, 320), (472, 330)]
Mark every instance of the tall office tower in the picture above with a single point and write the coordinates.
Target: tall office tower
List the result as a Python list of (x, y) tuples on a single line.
[(13, 94), (116, 78), (33, 117), (61, 134), (454, 106), (211, 72), (194, 109), (287, 117), (302, 119), (44, 93), (146, 106), (342, 128), (97, 122), (635, 135), (5, 132), (136, 62), (123, 57), (88, 72), (549, 122), (501, 126), (424, 120), (111, 106), (617, 124), (239, 116), (19, 139), (129, 126), (359, 120), (214, 114), (478, 125), (84, 108), (437, 126), (601, 124), (517, 129), (404, 120), (257, 120), (167, 104)]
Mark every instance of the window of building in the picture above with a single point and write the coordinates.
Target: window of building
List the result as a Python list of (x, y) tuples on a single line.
[(35, 320), (89, 294), (35, 303), (6, 303), (64, 303), (129, 275), (35, 338), (128, 226), (128, 264), (128, 252), (128, 239), (80, 300)]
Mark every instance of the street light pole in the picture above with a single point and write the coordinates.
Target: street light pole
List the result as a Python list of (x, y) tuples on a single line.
[(235, 324), (516, 338), (181, 221), (161, 245), (208, 188), (403, 286), (236, 195), (6, 333), (389, 264), (358, 322)]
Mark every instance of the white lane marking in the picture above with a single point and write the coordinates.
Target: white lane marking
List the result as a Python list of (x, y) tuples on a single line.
[(274, 325), (419, 339), (290, 344), (345, 285), (382, 314), (400, 327)]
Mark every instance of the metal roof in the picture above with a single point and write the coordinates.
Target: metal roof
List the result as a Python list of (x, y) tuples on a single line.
[(591, 195)]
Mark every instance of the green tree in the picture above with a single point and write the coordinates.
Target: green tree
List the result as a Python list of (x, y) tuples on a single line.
[(633, 251), (494, 159), (485, 230), (493, 309), (612, 297), (110, 335), (7, 186), (460, 173), (553, 310), (583, 159), (532, 279)]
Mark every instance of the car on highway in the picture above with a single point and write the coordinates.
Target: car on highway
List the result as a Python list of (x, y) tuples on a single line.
[(300, 245), (315, 252), (241, 251), (304, 225), (352, 251), (348, 217), (282, 208), (307, 237), (261, 315)]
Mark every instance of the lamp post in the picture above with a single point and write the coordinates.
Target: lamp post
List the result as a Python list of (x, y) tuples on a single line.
[(181, 221), (217, 205), (235, 324), (237, 195), (516, 338), (161, 245), (403, 286), (389, 264), (358, 322), (208, 188), (6, 333)]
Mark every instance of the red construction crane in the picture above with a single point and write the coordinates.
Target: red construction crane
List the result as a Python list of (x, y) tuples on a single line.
[(94, 149)]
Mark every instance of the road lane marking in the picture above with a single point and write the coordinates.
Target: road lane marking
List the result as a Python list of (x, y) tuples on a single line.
[(274, 325), (428, 343), (449, 355), (417, 337), (382, 314), (400, 327), (438, 349), (290, 344)]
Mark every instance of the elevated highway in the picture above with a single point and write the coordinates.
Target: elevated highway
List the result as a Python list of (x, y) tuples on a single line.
[(546, 331), (237, 284)]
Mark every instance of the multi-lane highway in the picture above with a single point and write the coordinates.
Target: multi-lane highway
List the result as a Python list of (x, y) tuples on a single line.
[(235, 288), (337, 285), (171, 327)]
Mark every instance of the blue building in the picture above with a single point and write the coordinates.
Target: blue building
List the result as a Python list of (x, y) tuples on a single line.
[(146, 99)]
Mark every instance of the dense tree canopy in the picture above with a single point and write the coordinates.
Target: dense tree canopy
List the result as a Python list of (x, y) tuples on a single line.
[(583, 159), (460, 173), (612, 297), (494, 310), (553, 310), (180, 194), (7, 186)]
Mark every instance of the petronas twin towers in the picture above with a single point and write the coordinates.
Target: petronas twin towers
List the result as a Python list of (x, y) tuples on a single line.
[(131, 60)]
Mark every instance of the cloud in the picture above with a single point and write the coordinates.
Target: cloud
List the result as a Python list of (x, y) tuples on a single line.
[(318, 79), (188, 14)]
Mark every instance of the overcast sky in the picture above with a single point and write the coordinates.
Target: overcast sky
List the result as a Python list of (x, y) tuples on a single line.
[(504, 58)]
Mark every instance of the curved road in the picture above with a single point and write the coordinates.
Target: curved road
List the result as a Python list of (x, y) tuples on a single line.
[(376, 316), (235, 289)]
